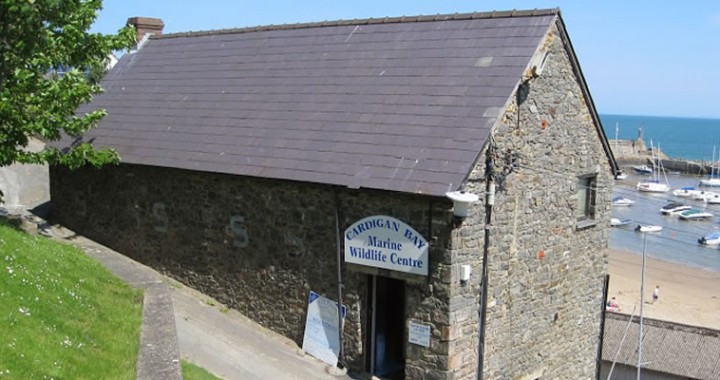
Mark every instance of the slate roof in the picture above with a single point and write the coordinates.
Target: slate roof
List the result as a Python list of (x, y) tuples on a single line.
[(402, 104), (682, 350)]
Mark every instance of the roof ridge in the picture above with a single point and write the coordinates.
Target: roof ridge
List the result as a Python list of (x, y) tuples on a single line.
[(370, 21)]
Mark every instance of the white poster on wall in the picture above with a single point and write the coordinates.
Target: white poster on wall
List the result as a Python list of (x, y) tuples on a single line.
[(322, 335), (419, 334), (385, 242)]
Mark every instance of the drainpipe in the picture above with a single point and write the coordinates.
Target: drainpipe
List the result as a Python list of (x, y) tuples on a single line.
[(489, 202), (341, 353), (598, 366)]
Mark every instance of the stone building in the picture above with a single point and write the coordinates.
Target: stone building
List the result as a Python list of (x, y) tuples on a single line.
[(262, 164)]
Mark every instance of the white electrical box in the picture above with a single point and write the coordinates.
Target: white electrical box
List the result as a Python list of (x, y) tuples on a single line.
[(465, 271)]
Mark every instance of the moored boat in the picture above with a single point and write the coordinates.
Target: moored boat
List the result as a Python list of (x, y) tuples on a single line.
[(712, 198), (642, 169), (702, 195), (710, 239), (653, 187), (674, 208), (648, 228), (694, 214), (685, 192), (615, 222), (622, 201), (710, 182)]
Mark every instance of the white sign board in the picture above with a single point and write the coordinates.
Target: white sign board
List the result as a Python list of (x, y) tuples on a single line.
[(322, 335), (419, 334), (385, 242)]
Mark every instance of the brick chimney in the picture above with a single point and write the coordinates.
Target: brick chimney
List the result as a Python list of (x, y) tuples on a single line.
[(146, 25)]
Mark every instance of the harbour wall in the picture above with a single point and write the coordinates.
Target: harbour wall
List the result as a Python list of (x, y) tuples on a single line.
[(635, 152)]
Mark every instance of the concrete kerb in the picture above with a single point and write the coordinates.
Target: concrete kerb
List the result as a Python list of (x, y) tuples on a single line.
[(159, 355)]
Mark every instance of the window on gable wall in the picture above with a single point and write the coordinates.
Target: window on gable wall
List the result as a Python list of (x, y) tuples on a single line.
[(587, 191)]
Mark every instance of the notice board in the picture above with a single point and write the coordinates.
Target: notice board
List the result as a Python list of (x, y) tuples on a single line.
[(322, 334)]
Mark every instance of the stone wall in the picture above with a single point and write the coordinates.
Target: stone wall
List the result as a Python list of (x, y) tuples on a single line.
[(24, 186), (260, 246), (546, 272)]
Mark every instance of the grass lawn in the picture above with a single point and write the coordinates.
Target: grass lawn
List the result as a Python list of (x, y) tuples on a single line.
[(63, 315)]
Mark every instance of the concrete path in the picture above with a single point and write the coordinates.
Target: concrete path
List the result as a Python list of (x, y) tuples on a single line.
[(233, 347), (179, 322)]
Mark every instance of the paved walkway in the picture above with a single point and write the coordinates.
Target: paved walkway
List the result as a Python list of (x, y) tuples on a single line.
[(179, 322)]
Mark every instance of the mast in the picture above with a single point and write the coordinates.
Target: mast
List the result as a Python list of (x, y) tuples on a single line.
[(712, 167), (661, 167), (654, 161), (642, 296)]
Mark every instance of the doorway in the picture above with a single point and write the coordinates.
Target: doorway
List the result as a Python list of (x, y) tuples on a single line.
[(387, 328)]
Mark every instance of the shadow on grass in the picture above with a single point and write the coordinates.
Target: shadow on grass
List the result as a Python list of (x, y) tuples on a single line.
[(193, 372), (11, 221)]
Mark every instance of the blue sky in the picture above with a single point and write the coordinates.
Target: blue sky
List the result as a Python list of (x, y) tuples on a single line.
[(639, 57)]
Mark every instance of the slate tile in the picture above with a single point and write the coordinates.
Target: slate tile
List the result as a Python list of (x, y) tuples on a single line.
[(333, 104)]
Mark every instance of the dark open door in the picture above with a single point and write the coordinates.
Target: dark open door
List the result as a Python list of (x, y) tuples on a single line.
[(387, 330)]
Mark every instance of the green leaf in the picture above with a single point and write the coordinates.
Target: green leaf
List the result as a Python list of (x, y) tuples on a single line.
[(38, 39)]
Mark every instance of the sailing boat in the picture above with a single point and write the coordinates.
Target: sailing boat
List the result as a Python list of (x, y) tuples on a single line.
[(713, 181), (654, 185)]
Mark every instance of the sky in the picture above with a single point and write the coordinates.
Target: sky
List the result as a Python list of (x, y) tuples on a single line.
[(639, 57)]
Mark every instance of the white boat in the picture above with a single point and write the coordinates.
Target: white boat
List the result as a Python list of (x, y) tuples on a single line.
[(615, 222), (621, 176), (648, 228), (642, 169), (694, 214), (710, 239), (685, 192), (712, 198), (702, 195), (622, 201), (710, 182), (654, 185), (713, 180), (674, 208)]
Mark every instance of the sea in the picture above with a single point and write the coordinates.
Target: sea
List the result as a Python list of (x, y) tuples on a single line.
[(677, 137), (681, 138)]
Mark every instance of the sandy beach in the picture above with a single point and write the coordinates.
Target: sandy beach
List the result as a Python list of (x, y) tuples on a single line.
[(687, 295)]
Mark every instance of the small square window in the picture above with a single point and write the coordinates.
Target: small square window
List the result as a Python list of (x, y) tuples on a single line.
[(586, 194)]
